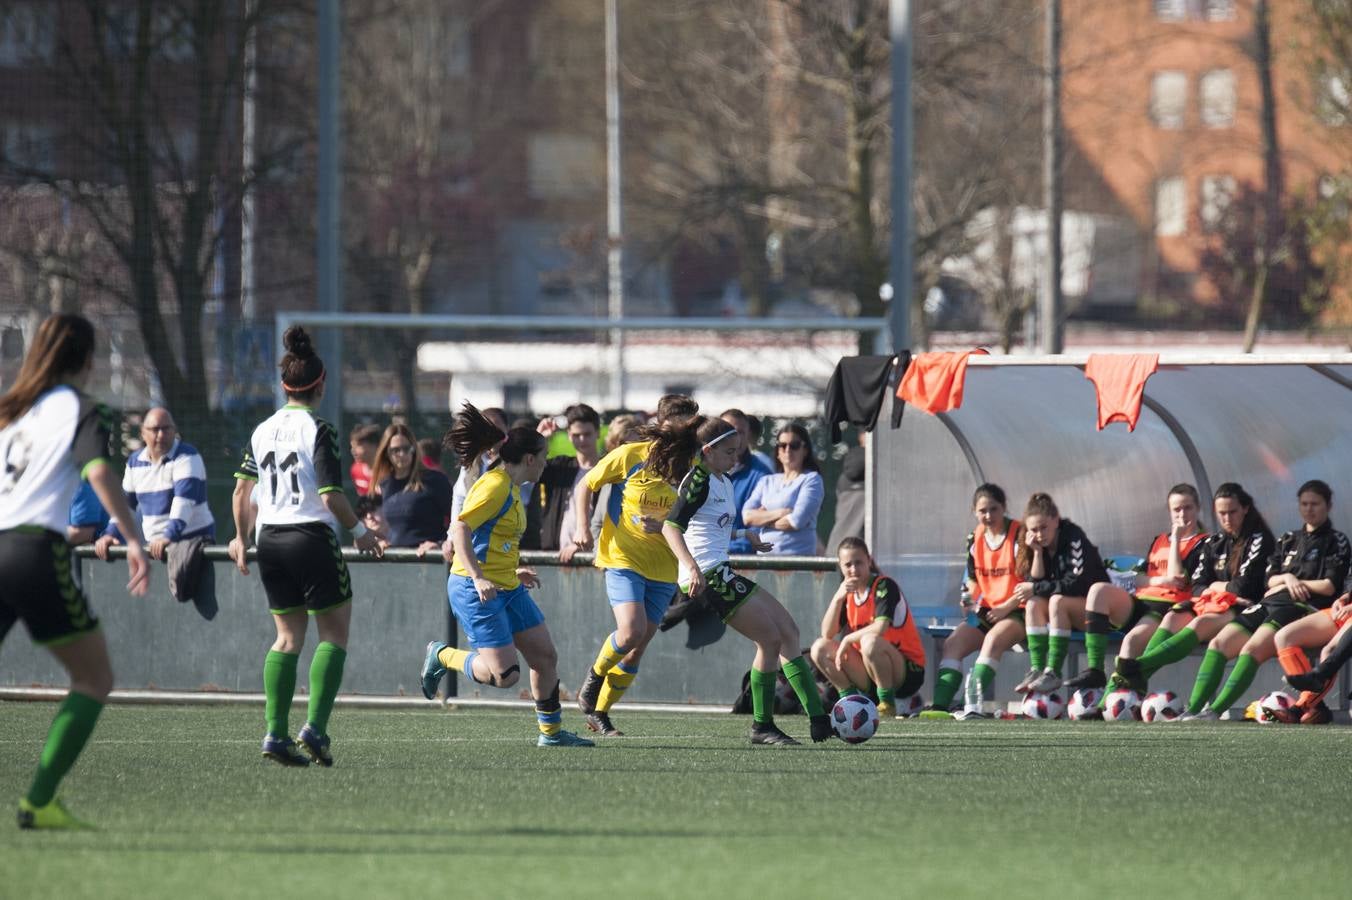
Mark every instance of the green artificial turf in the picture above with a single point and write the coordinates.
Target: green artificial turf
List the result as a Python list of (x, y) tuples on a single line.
[(458, 804)]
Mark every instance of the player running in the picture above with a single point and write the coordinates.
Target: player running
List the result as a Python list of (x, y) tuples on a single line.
[(992, 584), (488, 589), (292, 460), (699, 531), (52, 436), (640, 570), (1149, 612), (868, 633), (1230, 571)]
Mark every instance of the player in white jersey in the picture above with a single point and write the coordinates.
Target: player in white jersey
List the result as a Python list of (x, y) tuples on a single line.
[(293, 461), (699, 529), (51, 436)]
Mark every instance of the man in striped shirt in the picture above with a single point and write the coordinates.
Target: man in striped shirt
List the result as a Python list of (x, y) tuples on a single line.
[(166, 483)]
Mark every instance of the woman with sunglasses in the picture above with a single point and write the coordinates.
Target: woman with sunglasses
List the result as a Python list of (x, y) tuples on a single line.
[(783, 506), (415, 501)]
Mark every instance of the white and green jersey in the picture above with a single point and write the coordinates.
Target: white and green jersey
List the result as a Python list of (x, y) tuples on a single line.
[(294, 458), (704, 512), (45, 452)]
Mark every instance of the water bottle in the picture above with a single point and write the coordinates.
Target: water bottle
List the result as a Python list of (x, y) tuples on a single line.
[(969, 608)]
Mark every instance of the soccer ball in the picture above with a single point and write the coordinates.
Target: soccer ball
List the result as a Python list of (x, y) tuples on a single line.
[(854, 719), (1276, 700), (1043, 706), (1163, 706), (909, 706), (1083, 701), (1122, 706)]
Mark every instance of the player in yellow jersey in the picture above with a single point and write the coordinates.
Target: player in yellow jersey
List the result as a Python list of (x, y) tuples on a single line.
[(640, 568), (488, 588)]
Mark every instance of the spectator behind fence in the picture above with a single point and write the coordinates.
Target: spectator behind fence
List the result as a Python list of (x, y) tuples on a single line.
[(622, 429), (415, 501), (754, 439), (363, 442), (429, 449), (166, 483), (87, 517), (552, 498), (745, 475), (784, 506), (850, 495), (368, 513)]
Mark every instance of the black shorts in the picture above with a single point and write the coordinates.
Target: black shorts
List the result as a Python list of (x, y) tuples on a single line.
[(35, 569), (725, 591), (913, 681), (1275, 611), (1143, 609), (302, 567), (985, 624)]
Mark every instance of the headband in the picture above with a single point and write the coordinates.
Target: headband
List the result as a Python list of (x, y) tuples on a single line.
[(719, 438), (301, 390)]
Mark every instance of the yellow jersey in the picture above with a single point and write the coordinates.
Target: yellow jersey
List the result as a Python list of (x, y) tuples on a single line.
[(637, 493), (496, 519)]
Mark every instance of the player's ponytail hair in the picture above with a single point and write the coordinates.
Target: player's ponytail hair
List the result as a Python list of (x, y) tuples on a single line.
[(675, 443), (472, 434), (61, 348), (1253, 523), (1040, 504), (302, 369)]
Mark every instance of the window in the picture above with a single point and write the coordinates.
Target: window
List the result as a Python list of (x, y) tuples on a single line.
[(1171, 10), (516, 396), (1219, 10), (1168, 99), (1216, 96), (1171, 207), (564, 166), (27, 33), (1218, 191), (1333, 102)]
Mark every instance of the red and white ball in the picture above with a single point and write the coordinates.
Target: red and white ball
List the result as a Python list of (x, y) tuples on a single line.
[(854, 718), (1161, 706), (1083, 702), (1122, 706), (1043, 706), (909, 706), (1277, 700)]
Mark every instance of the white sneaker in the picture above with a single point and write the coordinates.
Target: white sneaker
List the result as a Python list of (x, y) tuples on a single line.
[(968, 715), (1206, 715), (1045, 683), (1022, 686)]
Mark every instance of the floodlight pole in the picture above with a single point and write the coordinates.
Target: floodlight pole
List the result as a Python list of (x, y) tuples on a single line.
[(330, 275), (900, 265), (614, 206), (1050, 337)]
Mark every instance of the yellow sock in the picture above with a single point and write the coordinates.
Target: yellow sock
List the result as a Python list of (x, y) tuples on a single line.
[(609, 657), (453, 658), (618, 680)]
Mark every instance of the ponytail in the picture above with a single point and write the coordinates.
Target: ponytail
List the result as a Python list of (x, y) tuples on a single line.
[(302, 369), (676, 443)]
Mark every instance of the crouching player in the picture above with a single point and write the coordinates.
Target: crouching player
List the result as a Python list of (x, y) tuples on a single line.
[(868, 633), (1332, 627), (487, 589), (699, 530)]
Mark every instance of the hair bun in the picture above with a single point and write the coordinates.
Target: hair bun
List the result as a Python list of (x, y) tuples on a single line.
[(298, 342)]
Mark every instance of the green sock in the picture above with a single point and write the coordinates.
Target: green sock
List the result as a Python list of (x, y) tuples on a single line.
[(1095, 649), (279, 685), (1037, 650), (949, 682), (71, 728), (985, 676), (326, 674), (1169, 651), (852, 691), (1058, 645), (804, 685), (762, 696), (1159, 637), (887, 695), (1246, 667), (1208, 679)]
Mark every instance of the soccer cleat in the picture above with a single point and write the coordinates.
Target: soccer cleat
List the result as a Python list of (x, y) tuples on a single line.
[(1045, 683), (283, 750), (1319, 715), (1206, 715), (432, 669), (1308, 681), (970, 715), (887, 710), (1089, 678), (932, 713), (590, 692), (821, 728), (1288, 716), (315, 745), (769, 734), (54, 816), (1022, 686), (600, 723), (563, 739), (1130, 675)]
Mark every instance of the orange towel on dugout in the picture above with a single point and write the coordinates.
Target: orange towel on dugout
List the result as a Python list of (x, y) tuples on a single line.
[(1120, 380), (934, 381)]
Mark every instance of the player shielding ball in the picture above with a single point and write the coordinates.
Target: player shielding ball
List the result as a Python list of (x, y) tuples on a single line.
[(868, 633), (52, 436), (699, 531), (488, 589), (292, 461)]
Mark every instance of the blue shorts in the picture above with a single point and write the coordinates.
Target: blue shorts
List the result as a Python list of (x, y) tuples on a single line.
[(627, 586), (491, 624)]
